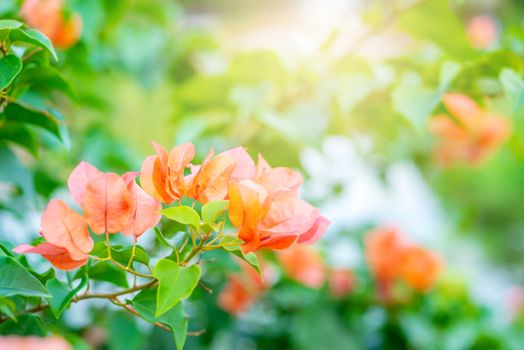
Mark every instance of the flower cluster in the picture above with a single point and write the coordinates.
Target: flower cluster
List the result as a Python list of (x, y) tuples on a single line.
[(472, 137), (263, 202), (111, 204), (48, 16), (391, 257)]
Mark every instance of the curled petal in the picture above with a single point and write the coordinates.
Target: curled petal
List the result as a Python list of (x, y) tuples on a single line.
[(65, 228), (315, 232), (244, 164), (146, 177), (212, 179), (57, 256), (107, 204), (79, 178)]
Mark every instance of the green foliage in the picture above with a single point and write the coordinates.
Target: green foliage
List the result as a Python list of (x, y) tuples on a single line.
[(175, 284), (232, 245), (15, 279), (183, 214)]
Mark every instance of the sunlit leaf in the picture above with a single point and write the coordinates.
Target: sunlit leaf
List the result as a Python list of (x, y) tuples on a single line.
[(10, 67), (183, 214)]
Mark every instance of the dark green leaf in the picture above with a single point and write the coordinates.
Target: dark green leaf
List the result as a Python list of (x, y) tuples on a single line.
[(62, 294), (183, 214), (175, 283), (212, 210), (21, 135), (8, 308), (34, 37), (16, 280), (10, 67), (145, 303), (108, 272), (25, 114), (26, 325)]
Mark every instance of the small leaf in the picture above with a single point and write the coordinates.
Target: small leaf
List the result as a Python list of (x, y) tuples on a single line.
[(230, 243), (10, 67), (108, 272), (145, 303), (34, 37), (160, 237), (16, 280), (183, 214), (8, 24), (62, 294), (175, 283), (212, 210), (8, 308)]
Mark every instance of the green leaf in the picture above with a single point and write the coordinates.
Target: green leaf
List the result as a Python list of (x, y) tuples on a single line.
[(8, 24), (26, 325), (416, 102), (513, 87), (8, 308), (145, 303), (232, 245), (16, 280), (45, 79), (160, 237), (10, 67), (121, 254), (212, 210), (12, 171), (175, 283), (18, 133), (62, 294), (34, 37), (108, 272), (183, 214), (24, 114)]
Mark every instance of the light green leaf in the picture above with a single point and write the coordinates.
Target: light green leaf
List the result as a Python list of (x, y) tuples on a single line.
[(121, 254), (160, 237), (212, 210), (10, 67), (183, 214), (8, 308), (145, 303), (34, 37), (232, 245), (175, 283), (513, 87), (16, 280), (8, 24)]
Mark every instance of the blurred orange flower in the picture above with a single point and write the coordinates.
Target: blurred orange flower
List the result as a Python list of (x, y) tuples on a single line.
[(67, 238), (242, 289), (473, 137), (48, 17), (420, 267), (14, 342), (391, 257), (341, 282), (304, 265), (482, 31)]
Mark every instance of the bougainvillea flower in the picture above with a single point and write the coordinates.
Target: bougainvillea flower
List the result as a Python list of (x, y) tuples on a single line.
[(341, 282), (209, 181), (244, 165), (270, 220), (79, 178), (162, 175), (67, 238), (279, 178), (242, 289), (59, 257), (146, 209), (384, 249), (419, 267), (304, 265), (48, 16), (482, 31), (15, 342), (472, 137), (107, 204)]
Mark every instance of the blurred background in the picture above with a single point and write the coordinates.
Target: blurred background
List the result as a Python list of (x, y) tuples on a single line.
[(344, 91)]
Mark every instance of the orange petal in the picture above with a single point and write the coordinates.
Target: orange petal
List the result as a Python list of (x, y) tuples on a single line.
[(146, 212), (107, 204), (179, 159), (213, 177), (79, 178), (57, 256), (65, 228), (146, 177), (464, 108), (419, 267), (289, 216), (315, 232)]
